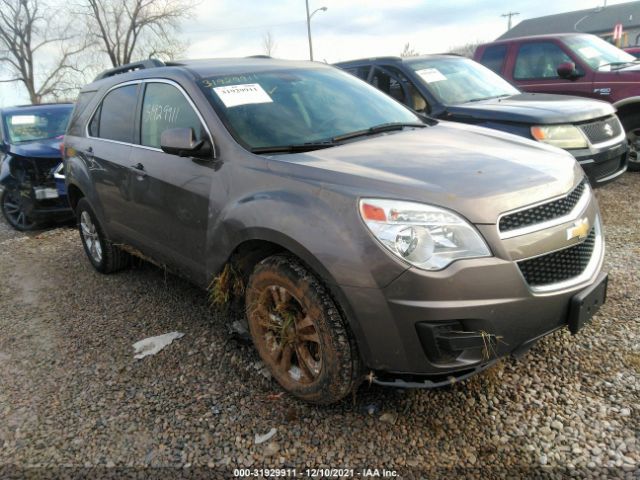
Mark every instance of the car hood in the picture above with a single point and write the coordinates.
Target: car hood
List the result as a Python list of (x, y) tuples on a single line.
[(477, 172), (532, 108), (39, 149)]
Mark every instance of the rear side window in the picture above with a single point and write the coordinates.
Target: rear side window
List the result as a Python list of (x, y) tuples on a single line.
[(115, 117), (539, 60), (165, 107), (493, 57), (360, 72)]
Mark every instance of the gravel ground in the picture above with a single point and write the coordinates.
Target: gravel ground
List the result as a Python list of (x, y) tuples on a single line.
[(72, 395)]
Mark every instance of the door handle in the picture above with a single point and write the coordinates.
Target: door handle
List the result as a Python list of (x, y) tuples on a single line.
[(139, 169)]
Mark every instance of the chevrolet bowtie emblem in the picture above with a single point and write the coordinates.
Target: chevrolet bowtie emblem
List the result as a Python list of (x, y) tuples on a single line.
[(579, 229)]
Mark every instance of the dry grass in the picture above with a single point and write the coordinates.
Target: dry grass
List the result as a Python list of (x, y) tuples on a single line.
[(227, 284)]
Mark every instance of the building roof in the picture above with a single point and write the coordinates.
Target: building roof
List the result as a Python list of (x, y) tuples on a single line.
[(593, 20)]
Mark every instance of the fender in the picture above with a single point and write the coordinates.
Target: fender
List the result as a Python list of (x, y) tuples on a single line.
[(321, 222), (7, 179), (626, 101)]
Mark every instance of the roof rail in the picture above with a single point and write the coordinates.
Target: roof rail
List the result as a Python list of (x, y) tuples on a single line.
[(258, 56), (131, 67)]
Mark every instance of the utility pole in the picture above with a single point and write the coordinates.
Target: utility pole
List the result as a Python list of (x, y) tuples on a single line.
[(509, 16), (321, 9)]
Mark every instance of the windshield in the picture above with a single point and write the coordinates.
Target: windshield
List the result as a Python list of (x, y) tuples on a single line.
[(36, 124), (455, 80), (299, 106), (598, 53)]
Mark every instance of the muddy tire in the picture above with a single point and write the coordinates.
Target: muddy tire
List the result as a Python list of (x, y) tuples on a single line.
[(15, 211), (103, 255), (299, 333), (631, 125)]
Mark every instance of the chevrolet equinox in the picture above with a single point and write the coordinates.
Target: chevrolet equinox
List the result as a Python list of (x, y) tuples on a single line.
[(364, 241)]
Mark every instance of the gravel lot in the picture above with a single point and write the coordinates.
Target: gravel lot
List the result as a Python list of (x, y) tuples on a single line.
[(72, 395)]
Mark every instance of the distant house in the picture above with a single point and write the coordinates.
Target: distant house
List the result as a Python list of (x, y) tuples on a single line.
[(599, 21)]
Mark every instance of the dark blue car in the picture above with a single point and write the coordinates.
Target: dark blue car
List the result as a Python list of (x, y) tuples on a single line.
[(31, 176)]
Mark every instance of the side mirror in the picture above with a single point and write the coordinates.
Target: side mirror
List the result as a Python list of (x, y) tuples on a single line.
[(182, 142), (567, 70), (4, 148)]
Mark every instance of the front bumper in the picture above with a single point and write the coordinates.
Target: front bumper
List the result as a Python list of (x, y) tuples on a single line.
[(603, 164), (424, 327)]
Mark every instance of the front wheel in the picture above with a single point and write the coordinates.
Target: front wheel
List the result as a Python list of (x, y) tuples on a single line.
[(299, 333), (632, 127), (16, 208), (103, 255)]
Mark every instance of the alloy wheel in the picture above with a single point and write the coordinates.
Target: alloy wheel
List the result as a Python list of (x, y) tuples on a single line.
[(90, 237), (14, 207), (288, 334)]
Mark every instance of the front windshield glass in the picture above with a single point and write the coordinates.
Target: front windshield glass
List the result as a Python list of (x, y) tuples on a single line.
[(299, 106), (598, 53), (36, 124), (455, 80)]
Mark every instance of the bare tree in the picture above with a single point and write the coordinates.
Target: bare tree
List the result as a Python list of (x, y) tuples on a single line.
[(269, 44), (126, 30), (408, 51), (466, 50), (36, 52)]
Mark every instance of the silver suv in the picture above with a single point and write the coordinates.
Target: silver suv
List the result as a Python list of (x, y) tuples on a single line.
[(361, 239)]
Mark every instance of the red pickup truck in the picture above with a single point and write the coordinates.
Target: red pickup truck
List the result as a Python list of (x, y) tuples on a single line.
[(572, 64)]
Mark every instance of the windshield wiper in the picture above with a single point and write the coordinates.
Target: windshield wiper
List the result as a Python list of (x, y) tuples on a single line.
[(479, 99), (618, 64), (384, 127), (302, 147)]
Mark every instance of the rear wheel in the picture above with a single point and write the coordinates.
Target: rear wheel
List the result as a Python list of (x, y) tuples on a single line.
[(632, 127), (103, 255), (16, 208), (299, 333)]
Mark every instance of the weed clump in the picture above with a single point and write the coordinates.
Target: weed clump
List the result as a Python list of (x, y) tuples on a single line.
[(225, 286)]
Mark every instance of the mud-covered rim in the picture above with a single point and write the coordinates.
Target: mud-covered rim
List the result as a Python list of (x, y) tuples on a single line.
[(90, 237), (288, 335), (633, 137), (14, 208)]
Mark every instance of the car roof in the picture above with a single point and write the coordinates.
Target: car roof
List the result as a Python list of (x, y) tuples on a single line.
[(201, 68), (538, 37), (399, 59), (28, 108)]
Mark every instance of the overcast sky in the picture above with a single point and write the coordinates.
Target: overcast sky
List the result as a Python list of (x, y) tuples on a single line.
[(349, 28)]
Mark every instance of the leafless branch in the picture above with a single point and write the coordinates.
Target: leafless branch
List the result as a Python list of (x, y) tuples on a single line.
[(126, 30), (37, 47)]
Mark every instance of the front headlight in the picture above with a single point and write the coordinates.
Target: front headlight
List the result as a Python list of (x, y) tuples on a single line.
[(427, 237), (562, 136)]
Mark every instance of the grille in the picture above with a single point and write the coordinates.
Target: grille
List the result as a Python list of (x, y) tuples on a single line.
[(542, 213), (598, 132), (604, 169), (559, 266)]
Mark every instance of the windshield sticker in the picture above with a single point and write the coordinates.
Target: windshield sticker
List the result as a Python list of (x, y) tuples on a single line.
[(23, 120), (229, 80), (249, 93), (589, 52), (431, 75)]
